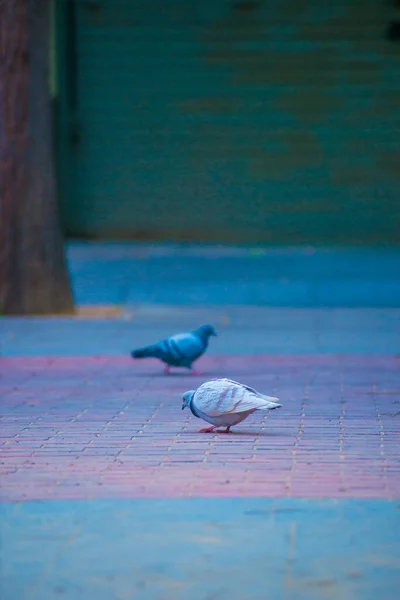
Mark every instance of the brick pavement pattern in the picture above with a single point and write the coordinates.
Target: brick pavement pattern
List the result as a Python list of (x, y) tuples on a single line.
[(105, 427)]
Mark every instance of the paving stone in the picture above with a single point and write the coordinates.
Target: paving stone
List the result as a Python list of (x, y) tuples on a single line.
[(108, 427)]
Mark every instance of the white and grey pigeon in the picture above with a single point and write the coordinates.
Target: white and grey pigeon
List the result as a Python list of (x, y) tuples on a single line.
[(180, 350), (224, 403)]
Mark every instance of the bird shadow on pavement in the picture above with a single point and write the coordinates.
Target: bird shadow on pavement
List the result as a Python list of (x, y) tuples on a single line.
[(233, 433)]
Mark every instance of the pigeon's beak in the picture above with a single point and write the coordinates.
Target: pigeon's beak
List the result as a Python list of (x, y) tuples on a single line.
[(183, 405), (214, 333)]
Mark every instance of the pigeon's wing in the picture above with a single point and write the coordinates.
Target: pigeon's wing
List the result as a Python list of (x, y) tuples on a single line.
[(160, 350), (270, 399), (222, 396), (185, 346), (247, 387)]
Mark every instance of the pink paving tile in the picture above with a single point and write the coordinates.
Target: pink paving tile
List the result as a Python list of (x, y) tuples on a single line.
[(106, 427)]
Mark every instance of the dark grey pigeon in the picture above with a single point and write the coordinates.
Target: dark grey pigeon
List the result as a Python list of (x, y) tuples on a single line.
[(180, 350)]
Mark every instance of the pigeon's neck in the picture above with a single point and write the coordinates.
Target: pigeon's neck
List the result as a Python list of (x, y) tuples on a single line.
[(193, 408), (202, 335)]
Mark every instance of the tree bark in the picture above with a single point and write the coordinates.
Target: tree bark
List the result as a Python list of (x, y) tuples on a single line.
[(33, 271)]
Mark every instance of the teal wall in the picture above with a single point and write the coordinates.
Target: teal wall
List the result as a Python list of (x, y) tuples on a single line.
[(250, 122)]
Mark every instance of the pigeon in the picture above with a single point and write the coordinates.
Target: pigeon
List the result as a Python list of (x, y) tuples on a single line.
[(180, 350), (224, 403)]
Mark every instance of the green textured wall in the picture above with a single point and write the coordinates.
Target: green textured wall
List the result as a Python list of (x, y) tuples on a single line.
[(232, 121)]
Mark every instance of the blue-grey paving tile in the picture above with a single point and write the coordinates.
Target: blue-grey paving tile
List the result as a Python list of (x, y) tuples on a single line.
[(201, 548), (202, 275), (242, 330)]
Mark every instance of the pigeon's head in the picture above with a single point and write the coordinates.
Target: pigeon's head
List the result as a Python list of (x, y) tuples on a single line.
[(187, 398), (206, 331)]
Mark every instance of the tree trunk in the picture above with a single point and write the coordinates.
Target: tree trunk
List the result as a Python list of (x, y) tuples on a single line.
[(33, 271)]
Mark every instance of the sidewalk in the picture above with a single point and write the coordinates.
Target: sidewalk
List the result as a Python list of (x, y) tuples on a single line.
[(108, 489)]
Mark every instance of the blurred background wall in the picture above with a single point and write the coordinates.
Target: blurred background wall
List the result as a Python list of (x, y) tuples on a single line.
[(244, 121)]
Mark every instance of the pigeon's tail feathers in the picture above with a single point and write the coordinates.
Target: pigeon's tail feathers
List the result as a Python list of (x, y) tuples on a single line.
[(275, 405), (272, 402), (147, 352)]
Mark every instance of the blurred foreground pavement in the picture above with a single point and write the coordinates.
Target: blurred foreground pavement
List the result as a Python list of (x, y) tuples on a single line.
[(108, 491)]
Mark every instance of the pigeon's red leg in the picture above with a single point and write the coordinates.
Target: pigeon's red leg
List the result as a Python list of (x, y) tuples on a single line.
[(208, 429), (196, 373), (166, 370)]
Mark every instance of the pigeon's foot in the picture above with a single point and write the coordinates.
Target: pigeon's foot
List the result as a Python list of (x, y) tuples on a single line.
[(227, 430), (167, 371), (207, 429), (195, 373)]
